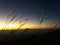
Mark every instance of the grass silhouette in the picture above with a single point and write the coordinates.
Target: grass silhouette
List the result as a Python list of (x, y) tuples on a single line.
[(29, 36), (13, 16), (56, 25)]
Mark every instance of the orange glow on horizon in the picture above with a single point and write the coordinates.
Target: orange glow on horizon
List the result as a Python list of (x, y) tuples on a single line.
[(15, 27), (30, 25)]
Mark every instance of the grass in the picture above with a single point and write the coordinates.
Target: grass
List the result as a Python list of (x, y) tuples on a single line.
[(13, 17), (30, 37)]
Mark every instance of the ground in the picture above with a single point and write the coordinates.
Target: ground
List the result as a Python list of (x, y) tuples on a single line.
[(30, 37)]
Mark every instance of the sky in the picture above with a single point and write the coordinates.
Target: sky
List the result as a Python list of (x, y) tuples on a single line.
[(40, 13)]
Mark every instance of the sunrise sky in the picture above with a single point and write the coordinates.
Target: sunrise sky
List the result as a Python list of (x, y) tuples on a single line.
[(40, 14)]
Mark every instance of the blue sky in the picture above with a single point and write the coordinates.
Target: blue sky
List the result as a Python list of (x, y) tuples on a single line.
[(32, 9)]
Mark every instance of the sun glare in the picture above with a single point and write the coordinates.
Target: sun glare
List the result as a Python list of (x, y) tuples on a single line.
[(17, 27)]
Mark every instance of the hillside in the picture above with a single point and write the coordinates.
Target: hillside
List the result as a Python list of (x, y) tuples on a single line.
[(30, 37)]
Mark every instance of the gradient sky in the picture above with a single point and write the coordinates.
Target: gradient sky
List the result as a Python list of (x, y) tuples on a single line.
[(33, 10)]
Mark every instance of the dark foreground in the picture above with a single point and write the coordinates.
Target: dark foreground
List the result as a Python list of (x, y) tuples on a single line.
[(30, 37)]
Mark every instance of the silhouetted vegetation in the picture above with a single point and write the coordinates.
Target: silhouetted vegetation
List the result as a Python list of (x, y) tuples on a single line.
[(30, 37), (56, 25), (12, 16)]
